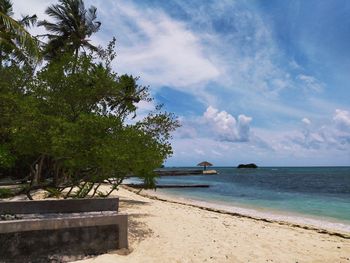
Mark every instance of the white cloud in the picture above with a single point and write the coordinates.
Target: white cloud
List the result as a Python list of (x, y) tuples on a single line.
[(37, 7), (332, 133), (244, 127), (216, 153), (251, 64), (231, 154), (342, 119), (310, 83), (225, 126), (199, 60), (306, 121), (143, 109), (160, 49), (294, 64), (199, 151), (169, 52), (188, 128), (311, 143)]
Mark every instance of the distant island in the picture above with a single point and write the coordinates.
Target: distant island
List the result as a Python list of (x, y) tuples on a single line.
[(249, 165)]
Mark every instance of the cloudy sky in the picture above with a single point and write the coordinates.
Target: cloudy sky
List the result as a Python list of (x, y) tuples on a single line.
[(251, 81)]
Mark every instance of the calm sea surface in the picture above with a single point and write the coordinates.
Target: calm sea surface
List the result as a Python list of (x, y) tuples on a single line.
[(322, 192)]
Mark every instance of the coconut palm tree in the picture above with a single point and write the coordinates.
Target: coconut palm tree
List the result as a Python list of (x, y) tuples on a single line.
[(72, 26), (14, 38)]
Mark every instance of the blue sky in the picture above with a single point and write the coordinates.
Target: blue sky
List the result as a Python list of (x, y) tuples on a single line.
[(251, 81)]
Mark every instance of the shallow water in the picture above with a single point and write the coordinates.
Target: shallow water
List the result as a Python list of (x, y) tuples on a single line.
[(321, 192)]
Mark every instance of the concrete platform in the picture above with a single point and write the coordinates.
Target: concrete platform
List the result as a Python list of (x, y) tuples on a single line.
[(61, 236)]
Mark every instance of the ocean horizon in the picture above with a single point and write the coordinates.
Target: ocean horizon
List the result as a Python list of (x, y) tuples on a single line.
[(320, 193)]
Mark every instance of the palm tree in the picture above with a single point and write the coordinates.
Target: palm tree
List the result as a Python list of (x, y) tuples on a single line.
[(14, 38), (72, 26)]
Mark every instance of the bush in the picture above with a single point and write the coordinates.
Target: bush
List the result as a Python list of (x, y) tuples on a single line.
[(5, 193)]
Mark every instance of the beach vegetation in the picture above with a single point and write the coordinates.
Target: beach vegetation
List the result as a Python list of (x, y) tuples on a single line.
[(71, 125), (5, 193)]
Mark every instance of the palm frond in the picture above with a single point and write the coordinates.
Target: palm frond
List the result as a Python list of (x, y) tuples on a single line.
[(71, 26), (28, 21), (21, 35), (6, 7)]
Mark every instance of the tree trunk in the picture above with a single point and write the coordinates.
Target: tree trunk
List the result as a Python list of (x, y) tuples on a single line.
[(37, 171), (95, 190), (76, 53), (70, 190), (56, 174)]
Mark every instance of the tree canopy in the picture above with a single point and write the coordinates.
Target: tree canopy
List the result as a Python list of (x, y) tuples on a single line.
[(70, 124)]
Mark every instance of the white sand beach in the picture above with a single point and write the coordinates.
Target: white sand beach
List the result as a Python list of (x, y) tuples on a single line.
[(161, 231)]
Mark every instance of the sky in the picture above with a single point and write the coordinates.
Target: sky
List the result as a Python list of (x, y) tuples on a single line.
[(250, 81)]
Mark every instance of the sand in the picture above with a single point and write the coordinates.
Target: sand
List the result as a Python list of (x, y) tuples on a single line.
[(161, 231)]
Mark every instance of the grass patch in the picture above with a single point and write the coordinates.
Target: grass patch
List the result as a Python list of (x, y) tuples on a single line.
[(5, 193)]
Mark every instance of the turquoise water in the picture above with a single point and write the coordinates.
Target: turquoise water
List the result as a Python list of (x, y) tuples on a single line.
[(322, 192)]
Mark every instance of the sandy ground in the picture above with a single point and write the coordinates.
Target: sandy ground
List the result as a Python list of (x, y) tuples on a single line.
[(162, 231)]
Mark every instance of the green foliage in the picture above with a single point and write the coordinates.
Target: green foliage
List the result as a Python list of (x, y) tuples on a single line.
[(7, 160), (53, 192), (69, 125), (5, 193), (71, 122), (83, 190), (15, 41)]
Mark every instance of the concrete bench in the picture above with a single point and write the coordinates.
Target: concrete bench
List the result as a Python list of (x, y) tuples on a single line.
[(60, 206), (49, 230)]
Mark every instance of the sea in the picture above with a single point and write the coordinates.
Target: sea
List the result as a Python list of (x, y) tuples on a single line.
[(317, 193)]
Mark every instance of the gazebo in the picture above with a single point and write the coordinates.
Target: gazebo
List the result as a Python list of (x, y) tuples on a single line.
[(205, 164)]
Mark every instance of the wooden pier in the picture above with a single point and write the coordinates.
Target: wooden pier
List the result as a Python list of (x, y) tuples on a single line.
[(171, 185), (183, 172)]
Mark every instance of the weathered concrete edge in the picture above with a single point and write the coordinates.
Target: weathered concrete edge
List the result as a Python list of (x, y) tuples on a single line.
[(59, 206), (49, 224)]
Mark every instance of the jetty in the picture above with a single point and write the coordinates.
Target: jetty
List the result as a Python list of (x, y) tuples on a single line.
[(171, 185), (182, 172)]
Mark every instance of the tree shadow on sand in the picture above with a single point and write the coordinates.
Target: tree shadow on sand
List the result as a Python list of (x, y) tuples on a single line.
[(138, 229), (128, 203)]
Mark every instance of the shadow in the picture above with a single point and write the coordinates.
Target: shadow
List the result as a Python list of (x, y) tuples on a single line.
[(138, 231), (139, 215), (129, 201), (125, 205)]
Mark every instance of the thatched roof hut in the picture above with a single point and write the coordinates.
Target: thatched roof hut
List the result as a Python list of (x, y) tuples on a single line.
[(205, 164)]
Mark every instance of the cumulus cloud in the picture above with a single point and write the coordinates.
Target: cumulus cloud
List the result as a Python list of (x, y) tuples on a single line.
[(342, 119), (226, 126), (306, 121), (309, 143), (333, 133), (244, 127)]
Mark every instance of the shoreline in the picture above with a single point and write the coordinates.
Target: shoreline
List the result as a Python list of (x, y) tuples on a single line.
[(169, 231), (306, 222)]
